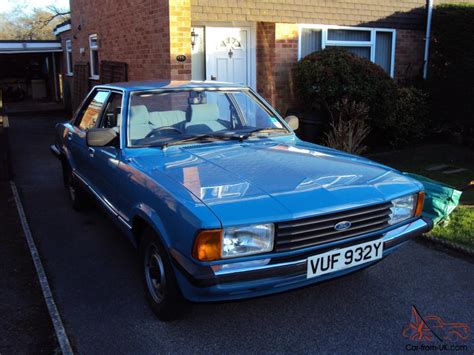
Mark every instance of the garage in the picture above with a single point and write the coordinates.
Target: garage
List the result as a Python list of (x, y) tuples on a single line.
[(29, 75)]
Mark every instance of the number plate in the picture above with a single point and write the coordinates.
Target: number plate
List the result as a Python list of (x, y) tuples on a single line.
[(340, 259)]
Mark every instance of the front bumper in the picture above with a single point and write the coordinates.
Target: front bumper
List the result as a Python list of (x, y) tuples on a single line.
[(275, 273)]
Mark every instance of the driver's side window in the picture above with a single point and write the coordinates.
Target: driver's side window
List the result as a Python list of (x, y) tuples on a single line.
[(91, 111)]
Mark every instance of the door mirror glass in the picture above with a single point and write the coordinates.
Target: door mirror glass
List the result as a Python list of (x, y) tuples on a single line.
[(101, 137), (293, 122)]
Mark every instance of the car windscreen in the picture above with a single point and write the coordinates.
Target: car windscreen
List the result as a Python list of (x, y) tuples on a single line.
[(157, 118)]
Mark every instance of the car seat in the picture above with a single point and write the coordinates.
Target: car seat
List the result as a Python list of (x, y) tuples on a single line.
[(204, 119), (139, 122)]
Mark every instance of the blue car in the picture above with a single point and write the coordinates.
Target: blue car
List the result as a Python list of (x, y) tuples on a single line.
[(221, 198)]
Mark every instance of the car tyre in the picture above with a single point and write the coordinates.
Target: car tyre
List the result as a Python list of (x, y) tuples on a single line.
[(75, 192), (161, 288)]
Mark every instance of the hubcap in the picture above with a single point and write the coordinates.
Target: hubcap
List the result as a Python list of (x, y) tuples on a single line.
[(155, 274)]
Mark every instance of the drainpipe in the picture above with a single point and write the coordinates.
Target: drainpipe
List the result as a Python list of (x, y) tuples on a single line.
[(55, 77), (427, 38)]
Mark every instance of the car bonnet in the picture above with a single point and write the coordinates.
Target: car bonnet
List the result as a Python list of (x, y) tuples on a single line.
[(264, 180)]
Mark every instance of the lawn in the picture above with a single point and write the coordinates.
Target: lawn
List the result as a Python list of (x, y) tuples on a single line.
[(450, 164)]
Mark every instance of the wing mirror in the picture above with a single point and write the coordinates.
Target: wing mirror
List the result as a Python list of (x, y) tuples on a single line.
[(101, 137), (293, 122)]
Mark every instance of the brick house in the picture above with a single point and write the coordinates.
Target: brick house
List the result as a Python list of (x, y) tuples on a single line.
[(255, 42)]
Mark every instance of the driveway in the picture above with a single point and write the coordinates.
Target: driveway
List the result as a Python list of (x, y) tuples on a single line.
[(94, 275)]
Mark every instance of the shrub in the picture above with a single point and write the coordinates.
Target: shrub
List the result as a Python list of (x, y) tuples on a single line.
[(326, 77), (349, 129), (409, 122)]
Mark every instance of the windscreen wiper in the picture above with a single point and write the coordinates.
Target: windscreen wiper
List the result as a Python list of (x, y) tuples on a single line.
[(197, 138), (248, 134)]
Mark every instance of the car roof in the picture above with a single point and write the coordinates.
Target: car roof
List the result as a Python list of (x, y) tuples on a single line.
[(169, 84)]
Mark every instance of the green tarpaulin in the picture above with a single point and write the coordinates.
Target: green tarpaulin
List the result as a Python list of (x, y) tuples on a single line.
[(440, 199)]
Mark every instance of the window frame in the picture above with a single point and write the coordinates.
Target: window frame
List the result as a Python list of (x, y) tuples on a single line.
[(69, 67), (367, 44), (92, 49)]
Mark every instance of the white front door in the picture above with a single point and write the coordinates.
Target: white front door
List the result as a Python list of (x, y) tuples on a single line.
[(227, 54)]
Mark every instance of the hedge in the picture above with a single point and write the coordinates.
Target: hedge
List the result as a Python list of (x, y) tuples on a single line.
[(451, 69)]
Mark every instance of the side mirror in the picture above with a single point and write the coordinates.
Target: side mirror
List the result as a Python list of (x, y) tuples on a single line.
[(293, 122), (100, 137)]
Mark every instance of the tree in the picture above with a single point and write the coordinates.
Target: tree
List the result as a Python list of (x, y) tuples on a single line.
[(37, 25)]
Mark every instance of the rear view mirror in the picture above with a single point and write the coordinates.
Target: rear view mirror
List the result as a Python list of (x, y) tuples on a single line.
[(293, 122), (101, 137)]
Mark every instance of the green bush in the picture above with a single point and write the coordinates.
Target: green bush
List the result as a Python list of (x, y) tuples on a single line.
[(409, 122), (323, 79), (451, 70), (328, 78)]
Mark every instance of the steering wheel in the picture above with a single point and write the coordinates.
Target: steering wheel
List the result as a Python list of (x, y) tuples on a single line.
[(155, 131)]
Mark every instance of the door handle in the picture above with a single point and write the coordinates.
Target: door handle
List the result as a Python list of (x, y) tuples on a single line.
[(213, 77), (91, 151), (69, 136)]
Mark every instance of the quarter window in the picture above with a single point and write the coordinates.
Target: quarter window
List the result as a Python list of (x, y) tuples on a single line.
[(69, 69), (94, 56), (91, 111), (374, 44)]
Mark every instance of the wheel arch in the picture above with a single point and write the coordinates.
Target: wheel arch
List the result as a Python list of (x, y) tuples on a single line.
[(143, 220)]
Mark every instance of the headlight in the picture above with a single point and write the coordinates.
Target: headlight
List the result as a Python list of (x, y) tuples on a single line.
[(406, 207), (248, 240), (233, 242)]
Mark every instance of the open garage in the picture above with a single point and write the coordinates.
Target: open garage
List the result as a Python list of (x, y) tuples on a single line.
[(29, 74)]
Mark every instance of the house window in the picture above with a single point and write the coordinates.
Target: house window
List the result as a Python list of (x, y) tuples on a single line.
[(69, 70), (94, 56), (374, 44)]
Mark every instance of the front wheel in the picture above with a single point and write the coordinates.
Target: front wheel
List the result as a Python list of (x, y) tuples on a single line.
[(161, 288)]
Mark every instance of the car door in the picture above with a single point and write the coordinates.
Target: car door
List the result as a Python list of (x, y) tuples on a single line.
[(86, 119), (104, 160)]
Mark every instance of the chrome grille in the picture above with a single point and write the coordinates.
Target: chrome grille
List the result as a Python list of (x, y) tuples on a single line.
[(317, 230)]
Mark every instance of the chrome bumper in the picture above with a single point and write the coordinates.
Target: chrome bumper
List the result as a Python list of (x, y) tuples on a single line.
[(270, 267)]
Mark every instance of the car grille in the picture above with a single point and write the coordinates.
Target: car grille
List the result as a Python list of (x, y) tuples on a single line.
[(318, 230)]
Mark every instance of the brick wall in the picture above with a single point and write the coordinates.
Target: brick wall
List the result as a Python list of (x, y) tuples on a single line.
[(145, 34), (286, 56), (180, 39), (407, 14), (409, 54), (266, 60), (277, 53)]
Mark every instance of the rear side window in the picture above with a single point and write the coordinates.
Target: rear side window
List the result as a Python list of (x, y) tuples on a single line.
[(92, 111)]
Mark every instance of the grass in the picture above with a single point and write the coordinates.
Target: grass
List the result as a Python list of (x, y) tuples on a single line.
[(420, 160), (460, 228)]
